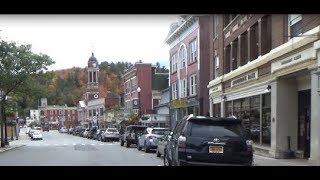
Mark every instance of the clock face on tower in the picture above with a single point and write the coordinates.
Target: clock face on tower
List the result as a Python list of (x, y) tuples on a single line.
[(135, 103), (94, 64)]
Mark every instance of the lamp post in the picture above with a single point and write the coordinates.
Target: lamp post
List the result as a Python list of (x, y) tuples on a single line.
[(97, 116), (139, 90)]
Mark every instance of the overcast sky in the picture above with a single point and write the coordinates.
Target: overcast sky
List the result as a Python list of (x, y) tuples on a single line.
[(70, 39)]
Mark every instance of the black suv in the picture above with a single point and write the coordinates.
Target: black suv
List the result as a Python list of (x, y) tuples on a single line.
[(200, 140), (131, 134)]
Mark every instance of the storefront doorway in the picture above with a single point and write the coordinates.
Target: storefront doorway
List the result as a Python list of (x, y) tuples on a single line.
[(304, 109)]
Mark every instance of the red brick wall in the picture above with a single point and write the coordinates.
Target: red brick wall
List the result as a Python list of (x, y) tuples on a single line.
[(144, 79)]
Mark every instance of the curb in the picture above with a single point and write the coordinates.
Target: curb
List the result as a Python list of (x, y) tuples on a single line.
[(10, 148)]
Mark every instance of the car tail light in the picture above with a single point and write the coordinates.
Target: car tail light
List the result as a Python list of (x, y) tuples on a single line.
[(182, 142), (249, 145)]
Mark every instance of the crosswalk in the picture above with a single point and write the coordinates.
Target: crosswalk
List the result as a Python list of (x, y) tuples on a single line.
[(72, 144)]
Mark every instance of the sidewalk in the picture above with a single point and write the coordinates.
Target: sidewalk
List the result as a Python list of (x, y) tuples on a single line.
[(22, 140), (267, 161)]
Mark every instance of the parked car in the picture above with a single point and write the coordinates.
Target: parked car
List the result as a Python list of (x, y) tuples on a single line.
[(30, 132), (200, 140), (162, 143), (63, 130), (111, 134), (70, 130), (150, 137), (91, 132), (85, 132), (98, 134), (78, 131), (130, 135), (36, 134), (46, 128)]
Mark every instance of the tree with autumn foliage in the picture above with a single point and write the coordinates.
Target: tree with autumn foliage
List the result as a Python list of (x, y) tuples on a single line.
[(133, 119)]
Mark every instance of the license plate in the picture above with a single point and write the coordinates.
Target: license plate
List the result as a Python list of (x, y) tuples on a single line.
[(215, 149)]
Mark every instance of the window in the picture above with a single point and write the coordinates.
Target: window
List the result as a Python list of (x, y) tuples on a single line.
[(90, 113), (193, 85), (295, 25), (216, 67), (182, 56), (94, 77), (51, 112), (101, 111), (90, 76), (60, 112), (174, 63), (216, 23), (193, 51), (134, 84), (183, 88), (174, 90)]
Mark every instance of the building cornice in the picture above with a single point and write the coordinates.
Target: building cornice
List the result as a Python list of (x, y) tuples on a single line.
[(183, 27), (293, 44)]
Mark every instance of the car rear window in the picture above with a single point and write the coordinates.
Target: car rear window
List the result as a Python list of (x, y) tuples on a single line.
[(159, 131), (138, 129), (214, 130), (112, 130)]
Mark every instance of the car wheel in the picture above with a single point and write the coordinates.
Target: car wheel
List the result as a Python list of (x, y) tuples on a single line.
[(166, 161), (138, 147), (158, 153), (146, 149), (127, 144), (121, 143)]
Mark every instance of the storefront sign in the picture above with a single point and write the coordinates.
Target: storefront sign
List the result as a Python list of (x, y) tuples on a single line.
[(135, 104), (215, 89), (246, 78), (179, 103), (293, 59)]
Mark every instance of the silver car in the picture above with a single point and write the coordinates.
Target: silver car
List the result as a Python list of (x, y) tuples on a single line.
[(63, 130), (150, 138), (111, 134)]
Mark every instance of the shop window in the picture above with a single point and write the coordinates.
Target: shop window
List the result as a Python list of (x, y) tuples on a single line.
[(229, 109), (217, 110), (266, 119)]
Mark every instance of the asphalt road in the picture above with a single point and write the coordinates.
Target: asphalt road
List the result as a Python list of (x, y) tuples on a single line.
[(67, 150)]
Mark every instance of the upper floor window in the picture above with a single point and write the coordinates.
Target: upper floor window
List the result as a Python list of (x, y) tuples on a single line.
[(174, 63), (183, 88), (134, 84), (182, 56), (51, 112), (216, 23), (193, 51), (295, 25), (174, 91), (193, 85), (216, 66)]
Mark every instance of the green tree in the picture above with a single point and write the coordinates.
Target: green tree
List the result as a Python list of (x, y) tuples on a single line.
[(17, 64)]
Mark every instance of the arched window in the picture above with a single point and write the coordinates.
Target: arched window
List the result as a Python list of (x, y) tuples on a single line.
[(183, 56)]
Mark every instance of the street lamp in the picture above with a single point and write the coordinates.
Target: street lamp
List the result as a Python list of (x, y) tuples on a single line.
[(139, 90), (97, 116)]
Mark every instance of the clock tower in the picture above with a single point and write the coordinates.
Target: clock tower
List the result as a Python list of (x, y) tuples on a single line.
[(93, 79)]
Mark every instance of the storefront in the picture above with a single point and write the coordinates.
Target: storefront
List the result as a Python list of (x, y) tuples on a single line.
[(182, 107), (277, 97)]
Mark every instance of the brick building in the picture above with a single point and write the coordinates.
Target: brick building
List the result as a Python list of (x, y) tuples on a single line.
[(190, 41), (265, 70), (143, 75), (57, 115)]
